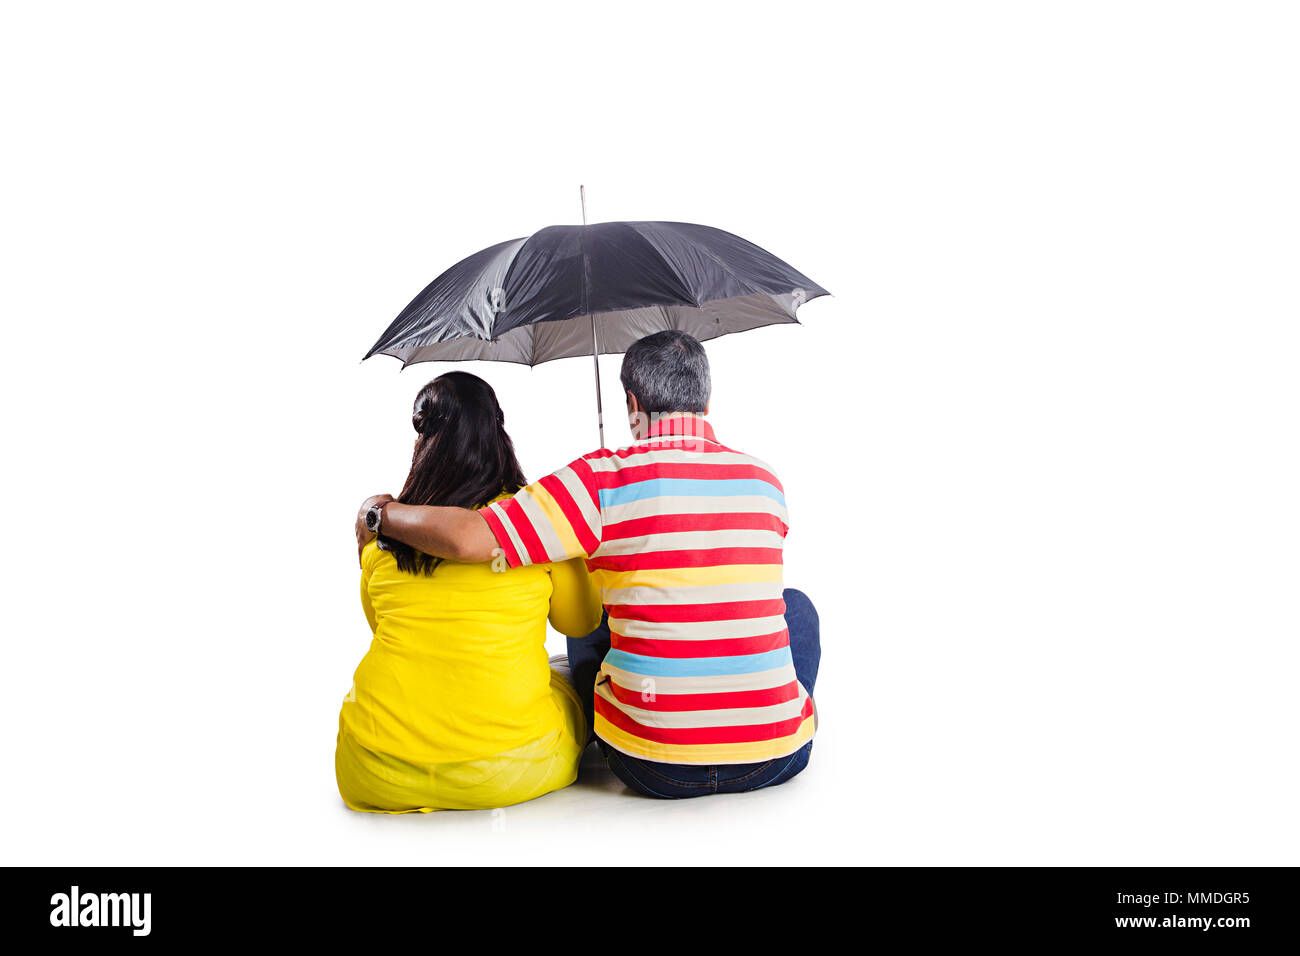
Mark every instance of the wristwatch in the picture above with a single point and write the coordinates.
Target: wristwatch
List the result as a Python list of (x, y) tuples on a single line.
[(373, 516)]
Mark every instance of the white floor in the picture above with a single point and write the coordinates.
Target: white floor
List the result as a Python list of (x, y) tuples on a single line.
[(598, 819)]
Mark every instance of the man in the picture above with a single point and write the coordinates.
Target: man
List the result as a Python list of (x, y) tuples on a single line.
[(700, 678)]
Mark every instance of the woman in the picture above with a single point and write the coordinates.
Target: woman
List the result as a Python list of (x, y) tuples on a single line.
[(455, 705)]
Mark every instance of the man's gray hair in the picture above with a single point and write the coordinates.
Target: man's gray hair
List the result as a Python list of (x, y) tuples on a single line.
[(668, 372)]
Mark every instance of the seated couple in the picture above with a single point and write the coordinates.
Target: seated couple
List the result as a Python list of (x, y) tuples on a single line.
[(696, 678)]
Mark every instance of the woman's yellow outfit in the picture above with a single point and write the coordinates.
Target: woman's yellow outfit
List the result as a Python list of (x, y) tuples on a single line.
[(455, 705)]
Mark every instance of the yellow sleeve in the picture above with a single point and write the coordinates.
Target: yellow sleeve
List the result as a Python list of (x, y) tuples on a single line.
[(575, 602), (367, 569)]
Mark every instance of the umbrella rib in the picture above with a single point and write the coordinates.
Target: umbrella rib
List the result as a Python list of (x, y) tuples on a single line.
[(667, 262), (712, 255), (505, 282)]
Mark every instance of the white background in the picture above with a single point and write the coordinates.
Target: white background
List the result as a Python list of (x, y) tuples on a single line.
[(1040, 446)]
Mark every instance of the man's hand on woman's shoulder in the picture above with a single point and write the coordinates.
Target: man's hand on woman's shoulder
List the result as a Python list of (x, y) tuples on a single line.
[(364, 534)]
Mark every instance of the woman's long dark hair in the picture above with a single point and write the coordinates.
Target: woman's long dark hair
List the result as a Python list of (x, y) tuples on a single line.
[(463, 456)]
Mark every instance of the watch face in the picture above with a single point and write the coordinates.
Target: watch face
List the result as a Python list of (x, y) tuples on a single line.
[(372, 519)]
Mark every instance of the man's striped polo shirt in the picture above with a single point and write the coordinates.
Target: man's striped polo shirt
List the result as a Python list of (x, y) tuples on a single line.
[(684, 538)]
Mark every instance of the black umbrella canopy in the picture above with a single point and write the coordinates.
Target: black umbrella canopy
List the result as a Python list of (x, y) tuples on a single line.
[(574, 290)]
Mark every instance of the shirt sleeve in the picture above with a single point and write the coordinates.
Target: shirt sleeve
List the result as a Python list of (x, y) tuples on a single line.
[(551, 520), (575, 602), (367, 570)]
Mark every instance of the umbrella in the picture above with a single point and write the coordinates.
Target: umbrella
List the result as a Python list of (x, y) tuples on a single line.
[(585, 290)]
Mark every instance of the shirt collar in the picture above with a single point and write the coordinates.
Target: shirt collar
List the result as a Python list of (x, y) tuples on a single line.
[(684, 424)]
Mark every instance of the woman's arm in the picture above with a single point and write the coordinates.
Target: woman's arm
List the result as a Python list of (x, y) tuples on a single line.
[(367, 569), (575, 602)]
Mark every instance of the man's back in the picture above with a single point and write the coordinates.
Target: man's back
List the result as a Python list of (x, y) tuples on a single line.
[(684, 538)]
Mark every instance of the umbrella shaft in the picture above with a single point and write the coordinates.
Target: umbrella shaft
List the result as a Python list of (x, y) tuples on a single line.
[(595, 358)]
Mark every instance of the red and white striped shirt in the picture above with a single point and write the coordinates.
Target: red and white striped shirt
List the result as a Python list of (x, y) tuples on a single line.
[(684, 538)]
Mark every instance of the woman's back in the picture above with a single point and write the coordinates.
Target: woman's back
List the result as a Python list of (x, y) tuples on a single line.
[(457, 669)]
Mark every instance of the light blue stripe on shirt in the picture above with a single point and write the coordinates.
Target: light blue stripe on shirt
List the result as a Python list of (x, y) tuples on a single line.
[(699, 666), (689, 487)]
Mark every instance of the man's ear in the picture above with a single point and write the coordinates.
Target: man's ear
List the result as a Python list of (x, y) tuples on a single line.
[(633, 406)]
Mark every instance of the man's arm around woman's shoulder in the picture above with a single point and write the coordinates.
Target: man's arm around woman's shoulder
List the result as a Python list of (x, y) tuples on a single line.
[(455, 534)]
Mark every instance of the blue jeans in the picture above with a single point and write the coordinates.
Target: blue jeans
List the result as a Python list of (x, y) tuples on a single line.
[(674, 781)]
